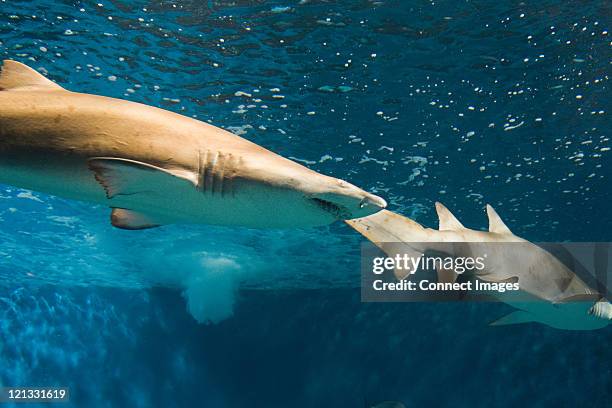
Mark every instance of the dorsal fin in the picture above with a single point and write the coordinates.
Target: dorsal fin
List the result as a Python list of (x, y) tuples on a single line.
[(496, 224), (447, 221), (17, 76)]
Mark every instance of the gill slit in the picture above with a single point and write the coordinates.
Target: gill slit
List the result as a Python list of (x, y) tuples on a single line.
[(211, 161), (216, 172)]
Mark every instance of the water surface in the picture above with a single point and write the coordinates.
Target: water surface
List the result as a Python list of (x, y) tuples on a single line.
[(461, 102)]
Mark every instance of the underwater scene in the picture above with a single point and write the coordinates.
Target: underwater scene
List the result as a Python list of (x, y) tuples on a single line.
[(466, 103)]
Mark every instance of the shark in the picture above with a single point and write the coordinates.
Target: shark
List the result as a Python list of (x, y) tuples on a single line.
[(388, 404), (154, 167), (550, 293)]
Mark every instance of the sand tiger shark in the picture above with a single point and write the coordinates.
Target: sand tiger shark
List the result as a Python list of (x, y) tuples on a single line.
[(156, 167), (387, 404), (551, 293)]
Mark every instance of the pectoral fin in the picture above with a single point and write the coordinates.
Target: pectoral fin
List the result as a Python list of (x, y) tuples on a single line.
[(129, 177), (513, 318), (131, 220)]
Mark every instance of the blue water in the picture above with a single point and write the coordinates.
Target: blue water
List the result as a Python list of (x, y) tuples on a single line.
[(466, 103)]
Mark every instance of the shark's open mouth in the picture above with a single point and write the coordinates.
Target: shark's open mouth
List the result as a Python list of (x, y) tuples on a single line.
[(338, 211)]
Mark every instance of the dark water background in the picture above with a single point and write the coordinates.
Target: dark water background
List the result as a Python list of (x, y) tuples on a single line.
[(463, 102)]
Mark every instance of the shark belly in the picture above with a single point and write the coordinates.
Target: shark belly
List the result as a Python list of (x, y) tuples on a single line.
[(245, 203), (69, 180), (41, 154)]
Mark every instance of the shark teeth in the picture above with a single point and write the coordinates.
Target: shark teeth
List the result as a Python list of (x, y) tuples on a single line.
[(338, 211)]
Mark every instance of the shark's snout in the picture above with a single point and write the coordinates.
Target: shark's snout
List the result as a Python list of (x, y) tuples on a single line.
[(345, 201), (373, 201), (602, 309)]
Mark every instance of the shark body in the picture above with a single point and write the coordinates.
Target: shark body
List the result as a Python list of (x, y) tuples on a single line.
[(153, 166), (551, 293)]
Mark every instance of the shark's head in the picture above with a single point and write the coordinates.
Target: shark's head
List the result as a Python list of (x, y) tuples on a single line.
[(602, 309), (580, 315), (345, 201), (293, 195), (330, 199)]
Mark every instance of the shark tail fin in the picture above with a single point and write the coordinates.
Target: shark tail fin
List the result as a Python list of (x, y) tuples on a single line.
[(17, 76), (447, 221)]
